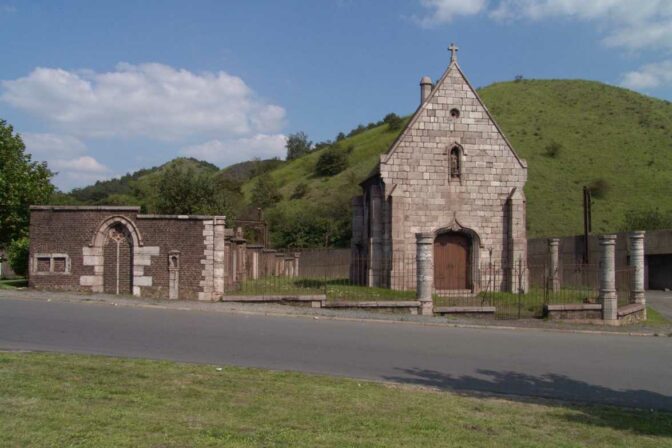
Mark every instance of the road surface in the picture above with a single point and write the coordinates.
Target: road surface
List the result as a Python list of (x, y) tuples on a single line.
[(608, 369)]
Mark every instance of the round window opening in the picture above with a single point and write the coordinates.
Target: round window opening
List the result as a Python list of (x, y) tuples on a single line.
[(454, 113)]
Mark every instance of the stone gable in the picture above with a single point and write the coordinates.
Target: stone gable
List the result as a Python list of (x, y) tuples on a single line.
[(451, 169)]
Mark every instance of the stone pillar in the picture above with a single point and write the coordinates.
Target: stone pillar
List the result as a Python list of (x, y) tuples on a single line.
[(174, 274), (637, 294), (219, 266), (376, 238), (517, 237), (608, 297), (425, 271), (554, 264), (296, 263)]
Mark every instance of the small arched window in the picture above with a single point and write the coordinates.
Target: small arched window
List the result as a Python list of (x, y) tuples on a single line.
[(455, 163)]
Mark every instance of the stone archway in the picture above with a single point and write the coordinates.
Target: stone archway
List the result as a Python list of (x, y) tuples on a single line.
[(456, 259), (118, 260), (114, 253)]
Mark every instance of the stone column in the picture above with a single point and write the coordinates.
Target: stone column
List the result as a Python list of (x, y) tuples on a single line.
[(376, 238), (608, 297), (637, 294), (554, 264), (296, 263), (425, 271), (219, 266)]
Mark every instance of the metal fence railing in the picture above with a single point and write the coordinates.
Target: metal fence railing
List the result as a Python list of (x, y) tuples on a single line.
[(517, 291)]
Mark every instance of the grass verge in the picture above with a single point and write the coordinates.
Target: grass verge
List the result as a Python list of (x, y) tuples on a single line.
[(13, 283), (51, 400)]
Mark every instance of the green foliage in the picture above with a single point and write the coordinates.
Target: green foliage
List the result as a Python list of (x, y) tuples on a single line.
[(182, 191), (22, 183), (311, 225), (393, 121), (18, 255), (599, 188), (298, 145), (332, 161), (553, 149), (265, 192), (647, 220), (300, 191)]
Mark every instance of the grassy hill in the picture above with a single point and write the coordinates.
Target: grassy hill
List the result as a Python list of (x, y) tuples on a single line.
[(572, 133)]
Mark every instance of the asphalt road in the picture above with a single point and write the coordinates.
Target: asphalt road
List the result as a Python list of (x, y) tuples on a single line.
[(609, 369)]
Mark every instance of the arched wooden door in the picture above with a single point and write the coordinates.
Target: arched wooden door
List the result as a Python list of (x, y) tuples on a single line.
[(452, 261)]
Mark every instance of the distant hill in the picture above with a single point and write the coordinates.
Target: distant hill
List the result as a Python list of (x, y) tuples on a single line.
[(572, 133)]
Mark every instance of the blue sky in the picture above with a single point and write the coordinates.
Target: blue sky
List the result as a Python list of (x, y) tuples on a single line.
[(99, 89)]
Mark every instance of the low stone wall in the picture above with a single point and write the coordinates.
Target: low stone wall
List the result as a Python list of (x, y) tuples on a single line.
[(632, 313), (575, 312)]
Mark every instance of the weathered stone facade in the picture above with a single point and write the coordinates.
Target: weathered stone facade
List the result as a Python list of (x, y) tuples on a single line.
[(118, 250), (451, 172)]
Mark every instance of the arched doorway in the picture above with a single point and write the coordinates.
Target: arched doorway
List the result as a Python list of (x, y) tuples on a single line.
[(118, 260), (452, 261)]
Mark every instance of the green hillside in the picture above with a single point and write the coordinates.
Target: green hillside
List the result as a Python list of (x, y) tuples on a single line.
[(572, 133)]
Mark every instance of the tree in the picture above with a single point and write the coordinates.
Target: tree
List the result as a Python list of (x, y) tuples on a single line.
[(18, 255), (393, 121), (298, 145), (22, 183), (183, 191), (265, 192), (332, 161)]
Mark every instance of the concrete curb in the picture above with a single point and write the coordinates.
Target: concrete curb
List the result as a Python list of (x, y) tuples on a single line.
[(139, 304)]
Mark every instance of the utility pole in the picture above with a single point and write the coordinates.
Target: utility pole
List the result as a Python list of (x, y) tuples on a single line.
[(587, 223)]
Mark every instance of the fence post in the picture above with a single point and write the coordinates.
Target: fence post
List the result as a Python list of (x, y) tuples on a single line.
[(608, 297), (425, 271), (554, 264), (637, 293)]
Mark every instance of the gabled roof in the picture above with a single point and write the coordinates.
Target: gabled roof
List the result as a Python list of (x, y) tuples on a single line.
[(453, 66)]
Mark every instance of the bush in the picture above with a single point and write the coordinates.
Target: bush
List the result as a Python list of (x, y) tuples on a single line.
[(331, 162), (265, 192), (599, 188), (393, 121), (18, 256), (300, 191), (553, 149)]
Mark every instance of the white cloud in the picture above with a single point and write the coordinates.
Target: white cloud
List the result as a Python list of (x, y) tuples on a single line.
[(444, 11), (147, 100), (53, 146), (650, 76), (232, 151), (78, 172), (630, 24)]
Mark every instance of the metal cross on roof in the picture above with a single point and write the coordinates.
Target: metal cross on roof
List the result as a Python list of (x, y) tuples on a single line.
[(453, 52)]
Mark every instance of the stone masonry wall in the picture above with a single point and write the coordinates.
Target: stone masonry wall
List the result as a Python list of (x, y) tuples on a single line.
[(69, 232)]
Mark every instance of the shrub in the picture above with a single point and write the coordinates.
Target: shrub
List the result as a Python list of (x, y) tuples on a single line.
[(265, 192), (18, 255), (393, 121), (331, 162), (599, 188), (553, 149), (300, 191)]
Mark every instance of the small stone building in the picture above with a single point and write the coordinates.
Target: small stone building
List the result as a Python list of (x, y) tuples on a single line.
[(118, 250), (453, 173)]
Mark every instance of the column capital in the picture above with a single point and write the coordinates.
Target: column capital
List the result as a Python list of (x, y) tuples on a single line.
[(637, 234), (608, 239), (424, 237)]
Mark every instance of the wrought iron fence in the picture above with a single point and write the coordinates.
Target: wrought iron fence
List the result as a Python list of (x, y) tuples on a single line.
[(517, 291)]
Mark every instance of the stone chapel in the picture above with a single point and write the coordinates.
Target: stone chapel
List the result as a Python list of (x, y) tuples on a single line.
[(451, 173)]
